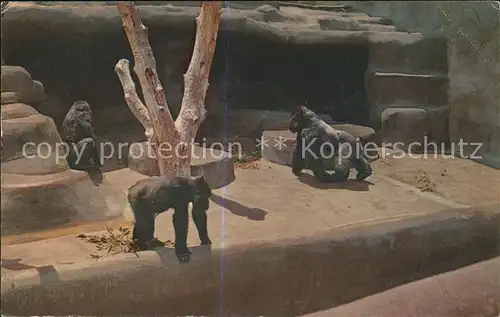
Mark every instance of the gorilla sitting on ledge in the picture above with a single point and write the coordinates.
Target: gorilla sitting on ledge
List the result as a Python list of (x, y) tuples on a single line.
[(152, 196), (78, 134), (312, 134)]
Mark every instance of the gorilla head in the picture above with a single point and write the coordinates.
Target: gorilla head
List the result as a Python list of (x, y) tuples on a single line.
[(300, 119)]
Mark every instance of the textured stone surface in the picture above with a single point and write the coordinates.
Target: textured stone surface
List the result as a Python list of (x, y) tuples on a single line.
[(17, 79), (387, 88), (30, 142), (474, 69), (291, 69), (428, 55), (470, 291), (39, 202), (290, 265), (403, 126), (17, 110), (438, 123), (10, 97), (216, 166)]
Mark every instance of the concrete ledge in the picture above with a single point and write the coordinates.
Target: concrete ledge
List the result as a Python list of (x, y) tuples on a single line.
[(29, 20), (470, 291), (39, 202), (287, 277)]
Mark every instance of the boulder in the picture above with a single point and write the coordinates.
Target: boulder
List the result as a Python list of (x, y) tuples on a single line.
[(10, 97), (17, 79), (401, 127), (214, 164), (37, 94), (33, 203), (31, 142), (17, 110)]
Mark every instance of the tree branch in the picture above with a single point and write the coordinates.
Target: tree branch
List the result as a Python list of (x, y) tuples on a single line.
[(134, 103), (154, 95), (178, 134), (193, 110)]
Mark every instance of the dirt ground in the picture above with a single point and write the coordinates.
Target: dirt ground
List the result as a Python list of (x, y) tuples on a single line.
[(459, 180), (267, 202)]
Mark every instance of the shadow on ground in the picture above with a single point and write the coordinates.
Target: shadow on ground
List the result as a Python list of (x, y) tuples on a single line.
[(46, 272), (350, 184), (238, 209)]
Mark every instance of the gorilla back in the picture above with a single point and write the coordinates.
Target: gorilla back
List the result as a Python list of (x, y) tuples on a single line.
[(78, 134), (312, 135), (152, 196)]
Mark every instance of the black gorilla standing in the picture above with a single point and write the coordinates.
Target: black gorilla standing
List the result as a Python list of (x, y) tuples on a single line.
[(154, 195), (312, 133), (78, 134)]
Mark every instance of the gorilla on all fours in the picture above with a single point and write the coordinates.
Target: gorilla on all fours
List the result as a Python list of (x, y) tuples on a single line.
[(312, 132), (152, 196), (78, 134)]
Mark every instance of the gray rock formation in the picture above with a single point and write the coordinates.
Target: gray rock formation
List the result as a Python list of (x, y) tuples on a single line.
[(268, 57), (39, 191)]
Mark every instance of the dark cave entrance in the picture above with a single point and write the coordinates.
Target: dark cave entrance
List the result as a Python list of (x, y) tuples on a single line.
[(260, 74), (247, 72)]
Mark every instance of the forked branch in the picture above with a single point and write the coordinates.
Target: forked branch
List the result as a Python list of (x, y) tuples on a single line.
[(155, 115)]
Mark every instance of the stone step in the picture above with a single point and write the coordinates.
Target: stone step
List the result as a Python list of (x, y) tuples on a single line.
[(10, 97), (17, 79), (377, 27), (414, 56), (39, 202), (347, 23), (17, 110), (22, 124), (19, 131), (388, 88), (419, 126)]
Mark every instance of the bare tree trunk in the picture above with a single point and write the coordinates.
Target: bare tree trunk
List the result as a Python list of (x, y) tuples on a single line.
[(171, 141)]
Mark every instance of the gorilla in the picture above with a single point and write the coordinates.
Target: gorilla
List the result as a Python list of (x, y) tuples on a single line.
[(312, 134), (152, 196), (78, 134)]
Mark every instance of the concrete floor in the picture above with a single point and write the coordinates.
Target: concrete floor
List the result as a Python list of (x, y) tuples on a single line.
[(269, 203), (282, 246)]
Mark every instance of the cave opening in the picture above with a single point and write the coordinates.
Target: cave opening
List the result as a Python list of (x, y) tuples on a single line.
[(248, 72), (265, 75)]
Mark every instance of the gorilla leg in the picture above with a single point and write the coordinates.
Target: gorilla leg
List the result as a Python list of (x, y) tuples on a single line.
[(360, 164), (342, 169), (200, 220), (363, 168), (144, 227), (180, 219), (297, 160), (84, 155), (319, 171)]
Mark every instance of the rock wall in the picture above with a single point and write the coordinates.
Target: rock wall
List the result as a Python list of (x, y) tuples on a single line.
[(39, 190), (473, 29), (346, 64), (73, 50)]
